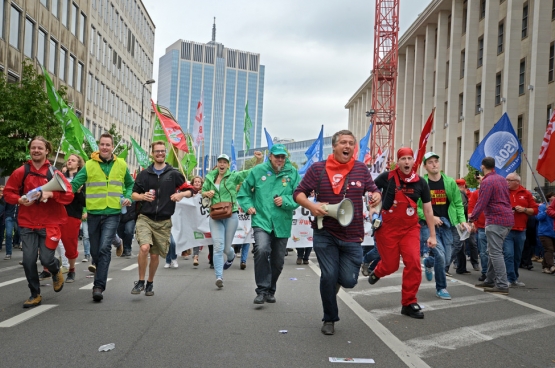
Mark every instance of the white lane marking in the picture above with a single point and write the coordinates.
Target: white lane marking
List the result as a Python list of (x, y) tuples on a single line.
[(12, 281), (388, 289), (90, 286), (427, 346), (26, 315), (10, 268), (132, 267), (438, 305), (403, 351)]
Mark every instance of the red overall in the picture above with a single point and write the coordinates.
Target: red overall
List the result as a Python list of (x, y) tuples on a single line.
[(400, 235)]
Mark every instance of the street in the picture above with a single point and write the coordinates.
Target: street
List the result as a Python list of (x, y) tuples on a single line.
[(190, 323)]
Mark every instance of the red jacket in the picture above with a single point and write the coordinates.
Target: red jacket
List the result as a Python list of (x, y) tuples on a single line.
[(551, 212), (38, 215), (522, 197), (480, 223)]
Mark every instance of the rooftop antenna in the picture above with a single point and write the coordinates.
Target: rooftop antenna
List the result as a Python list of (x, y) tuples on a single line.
[(214, 31)]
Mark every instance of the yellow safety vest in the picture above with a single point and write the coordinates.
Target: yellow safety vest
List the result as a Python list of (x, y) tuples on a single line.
[(102, 191)]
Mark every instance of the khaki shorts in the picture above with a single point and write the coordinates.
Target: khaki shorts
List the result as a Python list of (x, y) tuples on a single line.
[(155, 233)]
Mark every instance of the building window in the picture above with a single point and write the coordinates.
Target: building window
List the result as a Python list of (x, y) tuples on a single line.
[(522, 77), (73, 20), (62, 67), (45, 3), (96, 91), (461, 106), (434, 84), (89, 87), (82, 23), (482, 9), (29, 38), (551, 60), (500, 31), (498, 88), (525, 21), (519, 128), (553, 10), (92, 45), (79, 81), (480, 51), (447, 75), (41, 47), (52, 56), (98, 45), (54, 7), (459, 154), (478, 98), (1, 20), (463, 55), (64, 9), (449, 31), (476, 138), (15, 17), (465, 18), (71, 70)]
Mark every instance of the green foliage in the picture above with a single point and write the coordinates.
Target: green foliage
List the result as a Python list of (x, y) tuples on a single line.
[(25, 112), (470, 177), (117, 138)]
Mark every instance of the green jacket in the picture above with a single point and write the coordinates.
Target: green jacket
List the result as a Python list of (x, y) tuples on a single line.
[(258, 191), (456, 208), (81, 178), (228, 186)]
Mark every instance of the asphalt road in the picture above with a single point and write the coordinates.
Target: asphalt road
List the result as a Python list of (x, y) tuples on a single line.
[(190, 323)]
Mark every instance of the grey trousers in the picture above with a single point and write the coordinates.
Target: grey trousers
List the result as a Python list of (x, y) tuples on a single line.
[(497, 273)]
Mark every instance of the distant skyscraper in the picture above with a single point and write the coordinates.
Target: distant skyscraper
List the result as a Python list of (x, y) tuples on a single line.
[(228, 78)]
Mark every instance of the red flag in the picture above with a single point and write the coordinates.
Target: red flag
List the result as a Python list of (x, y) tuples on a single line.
[(546, 159), (426, 131), (172, 129)]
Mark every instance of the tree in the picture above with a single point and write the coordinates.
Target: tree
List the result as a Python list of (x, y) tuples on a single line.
[(117, 138), (470, 178), (25, 112)]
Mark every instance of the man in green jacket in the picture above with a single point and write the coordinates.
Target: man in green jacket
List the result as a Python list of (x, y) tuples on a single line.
[(267, 195), (109, 187)]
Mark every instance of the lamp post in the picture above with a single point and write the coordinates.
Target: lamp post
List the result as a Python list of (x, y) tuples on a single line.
[(150, 81)]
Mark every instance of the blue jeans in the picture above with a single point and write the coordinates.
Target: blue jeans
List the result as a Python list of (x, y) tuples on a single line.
[(102, 230), (483, 249), (244, 252), (10, 225), (125, 232), (304, 253), (86, 241), (339, 264), (512, 253), (223, 232), (372, 258), (269, 255), (171, 256), (437, 254)]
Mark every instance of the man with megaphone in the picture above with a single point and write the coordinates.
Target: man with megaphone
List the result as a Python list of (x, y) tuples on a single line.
[(338, 180), (39, 218)]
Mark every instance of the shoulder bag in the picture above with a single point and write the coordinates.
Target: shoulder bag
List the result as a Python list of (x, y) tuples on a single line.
[(222, 210)]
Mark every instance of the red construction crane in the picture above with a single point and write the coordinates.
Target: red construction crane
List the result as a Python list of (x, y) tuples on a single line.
[(384, 86)]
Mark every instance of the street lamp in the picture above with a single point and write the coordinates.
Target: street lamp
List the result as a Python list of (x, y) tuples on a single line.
[(150, 81)]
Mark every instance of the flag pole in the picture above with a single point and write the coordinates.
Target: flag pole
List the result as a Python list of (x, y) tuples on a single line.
[(203, 158), (536, 179), (59, 148), (116, 147), (177, 159)]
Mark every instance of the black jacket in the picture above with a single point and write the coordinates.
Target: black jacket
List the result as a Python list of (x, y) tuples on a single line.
[(162, 208), (75, 208)]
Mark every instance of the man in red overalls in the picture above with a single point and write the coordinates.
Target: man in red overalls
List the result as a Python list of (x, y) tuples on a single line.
[(399, 234)]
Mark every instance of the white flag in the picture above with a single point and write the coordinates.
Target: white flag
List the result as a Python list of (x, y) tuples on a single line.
[(378, 166), (198, 130)]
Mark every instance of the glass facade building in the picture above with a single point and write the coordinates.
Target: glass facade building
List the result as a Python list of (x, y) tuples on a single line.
[(227, 79)]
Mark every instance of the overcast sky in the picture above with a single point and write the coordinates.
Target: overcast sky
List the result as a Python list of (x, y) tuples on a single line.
[(317, 53)]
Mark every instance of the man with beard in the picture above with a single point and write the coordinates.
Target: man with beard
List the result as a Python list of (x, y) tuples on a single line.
[(337, 248), (267, 195), (39, 219), (399, 235), (154, 223)]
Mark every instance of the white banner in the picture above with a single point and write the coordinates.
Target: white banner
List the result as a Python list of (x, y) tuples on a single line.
[(190, 227)]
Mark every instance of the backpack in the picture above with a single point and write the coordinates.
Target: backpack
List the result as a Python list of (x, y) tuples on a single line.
[(49, 175)]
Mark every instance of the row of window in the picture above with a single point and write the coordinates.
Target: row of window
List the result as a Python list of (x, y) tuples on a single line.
[(67, 11)]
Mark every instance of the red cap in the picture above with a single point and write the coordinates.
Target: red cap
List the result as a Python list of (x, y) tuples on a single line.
[(461, 182)]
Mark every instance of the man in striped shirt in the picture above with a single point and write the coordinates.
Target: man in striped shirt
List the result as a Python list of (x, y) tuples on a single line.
[(337, 248), (494, 201)]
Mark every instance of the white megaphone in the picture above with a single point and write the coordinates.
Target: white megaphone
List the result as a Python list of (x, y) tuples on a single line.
[(343, 212), (56, 184)]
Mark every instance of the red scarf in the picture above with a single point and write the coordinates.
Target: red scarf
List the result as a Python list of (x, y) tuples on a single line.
[(411, 178), (337, 172)]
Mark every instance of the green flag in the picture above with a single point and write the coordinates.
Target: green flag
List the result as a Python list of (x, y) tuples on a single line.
[(142, 156), (90, 138), (159, 135), (123, 154), (189, 162), (248, 126)]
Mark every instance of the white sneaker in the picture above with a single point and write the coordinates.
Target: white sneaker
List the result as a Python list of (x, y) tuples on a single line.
[(220, 283), (167, 265), (174, 264)]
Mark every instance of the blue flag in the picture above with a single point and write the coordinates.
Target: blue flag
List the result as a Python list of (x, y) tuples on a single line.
[(268, 139), (233, 166), (314, 153), (205, 168), (503, 145), (364, 150)]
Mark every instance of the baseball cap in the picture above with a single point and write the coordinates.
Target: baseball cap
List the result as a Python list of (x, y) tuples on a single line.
[(278, 149), (429, 155), (224, 156), (460, 182)]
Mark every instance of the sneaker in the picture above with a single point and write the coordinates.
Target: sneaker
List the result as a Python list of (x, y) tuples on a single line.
[(119, 249), (328, 328), (92, 268), (270, 298), (195, 260), (464, 273), (167, 265), (372, 279), (259, 299), (127, 255), (496, 290), (448, 274), (243, 265), (443, 294), (552, 269), (33, 301), (484, 285), (228, 264), (174, 264), (517, 284), (413, 310), (429, 274), (482, 277), (534, 258), (299, 261), (476, 267), (364, 269), (546, 270), (7, 257), (139, 286), (86, 259), (219, 283), (70, 277), (64, 269), (305, 261), (97, 294), (58, 281), (148, 289), (44, 275)]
